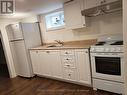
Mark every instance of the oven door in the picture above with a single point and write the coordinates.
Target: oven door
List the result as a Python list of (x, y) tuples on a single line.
[(108, 66)]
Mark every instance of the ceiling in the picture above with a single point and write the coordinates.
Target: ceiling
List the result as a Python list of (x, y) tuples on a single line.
[(25, 8)]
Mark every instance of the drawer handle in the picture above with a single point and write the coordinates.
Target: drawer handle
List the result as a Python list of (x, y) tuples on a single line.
[(86, 51), (103, 1), (66, 53), (69, 74), (36, 51), (47, 51), (68, 65), (67, 59)]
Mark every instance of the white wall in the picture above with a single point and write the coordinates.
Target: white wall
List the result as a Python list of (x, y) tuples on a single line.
[(8, 54), (106, 24), (31, 19), (125, 40)]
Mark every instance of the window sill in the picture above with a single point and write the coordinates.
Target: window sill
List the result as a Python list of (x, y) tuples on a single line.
[(56, 28)]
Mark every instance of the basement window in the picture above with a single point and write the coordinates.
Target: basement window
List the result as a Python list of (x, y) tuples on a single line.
[(55, 20)]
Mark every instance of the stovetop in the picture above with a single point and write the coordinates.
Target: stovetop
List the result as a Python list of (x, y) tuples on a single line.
[(118, 43), (109, 43), (110, 46)]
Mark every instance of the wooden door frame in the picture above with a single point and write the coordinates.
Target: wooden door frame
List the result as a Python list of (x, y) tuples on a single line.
[(10, 65)]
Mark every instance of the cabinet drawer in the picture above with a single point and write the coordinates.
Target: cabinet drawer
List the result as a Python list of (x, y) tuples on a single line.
[(69, 74), (68, 59), (69, 65), (67, 52), (108, 86)]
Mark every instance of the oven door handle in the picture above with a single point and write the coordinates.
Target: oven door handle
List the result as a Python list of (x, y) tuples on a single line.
[(107, 54)]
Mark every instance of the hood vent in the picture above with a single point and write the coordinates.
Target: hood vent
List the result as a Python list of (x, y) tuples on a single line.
[(103, 9)]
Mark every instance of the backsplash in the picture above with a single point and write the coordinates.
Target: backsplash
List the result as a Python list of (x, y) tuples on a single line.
[(105, 24)]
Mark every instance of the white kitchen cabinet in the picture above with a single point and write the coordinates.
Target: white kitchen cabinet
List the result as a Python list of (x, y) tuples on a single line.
[(93, 3), (70, 74), (68, 64), (73, 16), (35, 61), (55, 64), (50, 63), (107, 1), (46, 62), (83, 65)]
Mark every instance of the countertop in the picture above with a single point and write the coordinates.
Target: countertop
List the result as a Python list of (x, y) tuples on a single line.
[(45, 47), (84, 44)]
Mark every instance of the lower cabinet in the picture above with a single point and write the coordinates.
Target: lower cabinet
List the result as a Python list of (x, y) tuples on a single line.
[(47, 63), (70, 74), (83, 66), (35, 61), (72, 64)]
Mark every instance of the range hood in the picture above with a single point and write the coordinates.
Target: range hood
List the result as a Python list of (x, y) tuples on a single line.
[(103, 9)]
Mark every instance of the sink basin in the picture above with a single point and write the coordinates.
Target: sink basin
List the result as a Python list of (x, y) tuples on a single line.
[(55, 45)]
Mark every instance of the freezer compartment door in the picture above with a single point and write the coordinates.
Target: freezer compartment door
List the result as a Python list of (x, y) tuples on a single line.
[(14, 32), (20, 59), (31, 34)]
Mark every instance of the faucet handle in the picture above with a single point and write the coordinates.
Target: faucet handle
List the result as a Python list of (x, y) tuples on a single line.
[(59, 42)]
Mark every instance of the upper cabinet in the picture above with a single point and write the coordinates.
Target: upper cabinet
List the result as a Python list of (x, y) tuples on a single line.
[(107, 1), (74, 19), (93, 3), (72, 13)]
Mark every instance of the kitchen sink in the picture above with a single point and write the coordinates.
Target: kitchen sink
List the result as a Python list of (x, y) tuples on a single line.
[(55, 45)]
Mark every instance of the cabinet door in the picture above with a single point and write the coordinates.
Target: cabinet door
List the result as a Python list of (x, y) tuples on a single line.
[(91, 3), (35, 61), (83, 66), (73, 16), (56, 64), (50, 63), (107, 1), (45, 61)]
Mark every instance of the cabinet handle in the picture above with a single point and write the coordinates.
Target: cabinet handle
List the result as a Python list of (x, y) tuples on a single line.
[(86, 51), (68, 65), (69, 74), (84, 24), (47, 51), (36, 51), (67, 59), (103, 1), (66, 53)]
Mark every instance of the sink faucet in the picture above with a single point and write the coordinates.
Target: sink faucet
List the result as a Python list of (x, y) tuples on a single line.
[(59, 42)]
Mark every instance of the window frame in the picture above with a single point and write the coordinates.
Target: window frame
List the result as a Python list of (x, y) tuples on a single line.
[(53, 28)]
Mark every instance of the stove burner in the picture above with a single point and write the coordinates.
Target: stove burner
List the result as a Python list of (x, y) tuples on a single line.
[(100, 43), (117, 43)]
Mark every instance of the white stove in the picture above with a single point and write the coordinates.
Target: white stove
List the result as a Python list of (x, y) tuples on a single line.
[(107, 64), (111, 46)]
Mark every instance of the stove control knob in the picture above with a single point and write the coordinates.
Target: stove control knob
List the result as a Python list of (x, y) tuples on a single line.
[(107, 49), (118, 49), (113, 49), (102, 49), (92, 49)]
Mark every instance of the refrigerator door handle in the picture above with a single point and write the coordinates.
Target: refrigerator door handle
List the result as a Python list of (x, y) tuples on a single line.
[(16, 40)]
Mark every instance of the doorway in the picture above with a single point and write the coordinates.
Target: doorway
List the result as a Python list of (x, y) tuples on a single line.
[(4, 73)]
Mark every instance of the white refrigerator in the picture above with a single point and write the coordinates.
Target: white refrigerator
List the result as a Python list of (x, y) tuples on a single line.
[(23, 36)]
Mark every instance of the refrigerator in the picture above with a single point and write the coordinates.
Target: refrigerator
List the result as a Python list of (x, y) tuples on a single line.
[(22, 37)]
